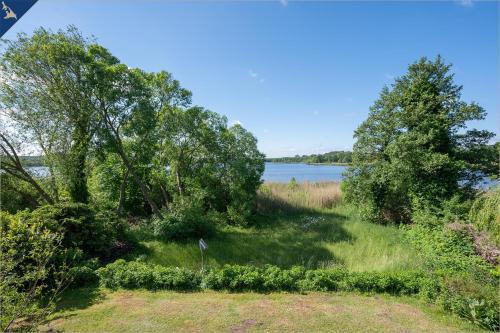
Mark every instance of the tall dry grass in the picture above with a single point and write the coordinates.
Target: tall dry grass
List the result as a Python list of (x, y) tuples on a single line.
[(290, 197)]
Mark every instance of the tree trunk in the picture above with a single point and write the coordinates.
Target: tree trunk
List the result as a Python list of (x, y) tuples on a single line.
[(123, 187), (137, 179), (114, 132), (164, 194), (77, 177), (52, 182), (179, 183)]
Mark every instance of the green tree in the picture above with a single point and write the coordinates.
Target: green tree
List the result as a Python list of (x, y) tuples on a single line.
[(414, 151), (189, 144), (240, 172), (47, 85)]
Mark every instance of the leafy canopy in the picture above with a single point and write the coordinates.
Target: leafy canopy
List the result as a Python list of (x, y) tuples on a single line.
[(414, 150)]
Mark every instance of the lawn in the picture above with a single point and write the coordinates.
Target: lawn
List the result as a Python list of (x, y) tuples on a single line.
[(87, 310), (314, 239)]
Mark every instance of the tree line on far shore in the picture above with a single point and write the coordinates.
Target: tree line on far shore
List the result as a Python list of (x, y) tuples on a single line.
[(333, 157)]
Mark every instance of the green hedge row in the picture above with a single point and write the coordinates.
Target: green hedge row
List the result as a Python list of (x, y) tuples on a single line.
[(132, 275)]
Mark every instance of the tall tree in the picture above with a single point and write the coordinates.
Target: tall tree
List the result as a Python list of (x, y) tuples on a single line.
[(46, 87), (413, 150), (128, 102)]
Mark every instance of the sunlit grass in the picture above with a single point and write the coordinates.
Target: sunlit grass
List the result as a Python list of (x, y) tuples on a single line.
[(163, 311)]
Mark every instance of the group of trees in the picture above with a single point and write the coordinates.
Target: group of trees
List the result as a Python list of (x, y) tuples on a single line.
[(340, 157), (114, 136), (414, 151)]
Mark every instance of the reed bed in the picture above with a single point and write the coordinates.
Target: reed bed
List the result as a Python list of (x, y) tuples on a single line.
[(295, 196)]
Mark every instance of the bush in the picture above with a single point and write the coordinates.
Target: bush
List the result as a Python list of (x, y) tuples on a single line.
[(29, 270), (471, 300), (185, 219), (324, 280), (132, 275), (449, 251), (81, 228), (84, 274), (485, 214), (17, 194)]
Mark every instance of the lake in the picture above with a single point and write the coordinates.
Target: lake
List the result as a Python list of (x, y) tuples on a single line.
[(283, 172)]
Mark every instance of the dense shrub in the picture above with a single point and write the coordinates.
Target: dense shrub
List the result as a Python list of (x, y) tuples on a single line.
[(84, 274), (129, 275), (448, 250), (324, 280), (485, 214), (82, 229), (185, 219), (470, 299), (464, 282), (33, 265), (132, 275), (17, 194)]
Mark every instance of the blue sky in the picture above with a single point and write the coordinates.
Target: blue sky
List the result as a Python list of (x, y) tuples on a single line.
[(299, 75)]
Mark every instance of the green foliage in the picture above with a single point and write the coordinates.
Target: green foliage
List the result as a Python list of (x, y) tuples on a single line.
[(133, 275), (470, 299), (409, 153), (84, 274), (58, 111), (81, 228), (445, 249), (292, 184), (208, 160), (185, 219), (28, 270), (467, 285), (17, 195), (485, 214)]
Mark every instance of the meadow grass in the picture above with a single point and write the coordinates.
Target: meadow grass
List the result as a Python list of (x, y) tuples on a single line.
[(163, 311), (311, 236), (292, 197)]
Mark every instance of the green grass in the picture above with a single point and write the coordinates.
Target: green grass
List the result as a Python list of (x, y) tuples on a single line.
[(143, 311), (337, 237)]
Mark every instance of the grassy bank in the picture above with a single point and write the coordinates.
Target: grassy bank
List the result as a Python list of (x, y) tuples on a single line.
[(133, 311)]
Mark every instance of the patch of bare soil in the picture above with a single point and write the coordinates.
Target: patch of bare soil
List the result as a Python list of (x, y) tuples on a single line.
[(245, 325)]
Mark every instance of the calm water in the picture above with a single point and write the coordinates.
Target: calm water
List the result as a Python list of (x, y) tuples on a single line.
[(283, 172)]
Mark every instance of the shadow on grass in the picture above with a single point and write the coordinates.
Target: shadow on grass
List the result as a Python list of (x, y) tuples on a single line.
[(284, 240), (80, 298), (73, 299), (280, 239)]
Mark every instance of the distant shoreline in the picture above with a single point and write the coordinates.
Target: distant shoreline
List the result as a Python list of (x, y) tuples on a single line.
[(309, 163)]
